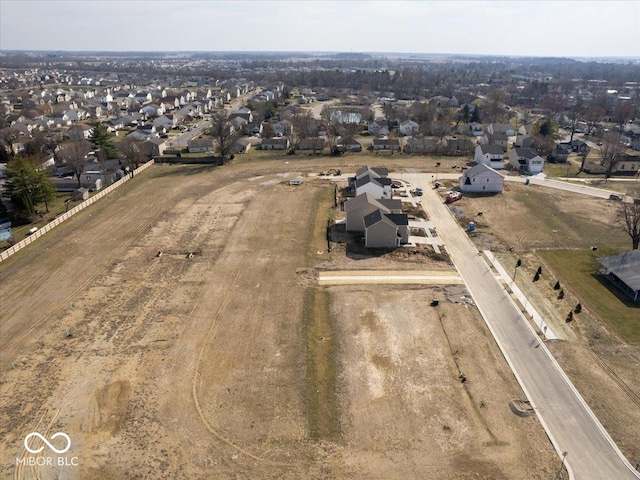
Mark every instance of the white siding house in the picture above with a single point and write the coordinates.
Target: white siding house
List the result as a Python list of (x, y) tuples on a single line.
[(481, 179), (490, 155), (526, 160)]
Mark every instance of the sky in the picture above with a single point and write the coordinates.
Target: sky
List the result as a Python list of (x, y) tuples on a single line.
[(519, 28)]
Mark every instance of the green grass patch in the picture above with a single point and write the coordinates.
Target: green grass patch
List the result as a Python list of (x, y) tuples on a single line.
[(578, 268), (321, 397), (323, 203)]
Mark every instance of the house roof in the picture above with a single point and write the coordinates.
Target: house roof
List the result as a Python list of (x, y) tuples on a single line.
[(200, 143), (374, 172), (391, 203), (527, 153), (275, 141), (478, 169), (393, 219), (364, 199), (398, 218), (625, 266), (491, 149)]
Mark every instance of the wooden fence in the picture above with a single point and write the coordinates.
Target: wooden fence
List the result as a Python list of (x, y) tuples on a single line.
[(41, 231)]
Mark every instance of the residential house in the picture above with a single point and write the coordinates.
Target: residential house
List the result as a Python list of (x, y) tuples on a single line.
[(348, 144), (315, 144), (481, 179), (408, 128), (385, 230), (475, 129), (421, 145), (390, 144), (499, 139), (524, 140), (80, 132), (254, 129), (379, 187), (627, 165), (362, 205), (526, 130), (623, 271), (490, 155), (239, 123), (242, 145), (375, 172), (560, 154), (282, 128), (526, 160), (275, 143), (198, 145), (379, 127), (504, 128), (244, 113), (157, 146)]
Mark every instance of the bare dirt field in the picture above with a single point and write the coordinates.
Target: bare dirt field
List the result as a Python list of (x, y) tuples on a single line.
[(222, 358)]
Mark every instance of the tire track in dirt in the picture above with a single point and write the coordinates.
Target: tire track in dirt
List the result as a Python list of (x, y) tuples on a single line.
[(9, 347), (196, 382)]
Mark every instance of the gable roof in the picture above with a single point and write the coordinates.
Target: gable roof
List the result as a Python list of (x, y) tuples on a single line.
[(527, 153), (478, 169), (491, 149), (364, 199), (392, 219), (625, 266), (374, 172)]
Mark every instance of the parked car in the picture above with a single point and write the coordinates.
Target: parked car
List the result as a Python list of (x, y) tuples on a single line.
[(419, 192)]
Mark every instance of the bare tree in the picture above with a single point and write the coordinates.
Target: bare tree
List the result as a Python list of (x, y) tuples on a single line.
[(133, 151), (74, 154), (224, 133), (593, 115), (622, 113), (611, 152), (629, 217)]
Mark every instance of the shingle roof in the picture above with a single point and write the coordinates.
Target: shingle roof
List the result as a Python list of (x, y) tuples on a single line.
[(491, 149), (625, 266)]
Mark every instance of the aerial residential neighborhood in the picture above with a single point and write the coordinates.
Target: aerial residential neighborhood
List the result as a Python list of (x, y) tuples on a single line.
[(261, 250)]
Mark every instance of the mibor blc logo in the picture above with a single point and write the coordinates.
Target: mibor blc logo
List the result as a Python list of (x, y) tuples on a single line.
[(47, 443), (54, 444)]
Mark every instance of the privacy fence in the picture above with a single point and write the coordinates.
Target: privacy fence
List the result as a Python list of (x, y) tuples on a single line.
[(41, 231)]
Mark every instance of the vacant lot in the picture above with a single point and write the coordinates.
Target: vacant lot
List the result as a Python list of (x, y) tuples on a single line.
[(200, 362)]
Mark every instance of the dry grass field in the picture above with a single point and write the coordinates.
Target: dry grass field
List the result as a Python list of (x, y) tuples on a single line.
[(222, 358)]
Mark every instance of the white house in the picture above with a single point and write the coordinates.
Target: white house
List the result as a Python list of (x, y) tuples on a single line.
[(379, 127), (475, 129), (408, 128), (505, 128), (378, 187), (482, 179), (490, 155), (526, 160)]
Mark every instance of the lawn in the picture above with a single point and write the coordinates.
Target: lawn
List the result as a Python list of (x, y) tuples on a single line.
[(578, 268)]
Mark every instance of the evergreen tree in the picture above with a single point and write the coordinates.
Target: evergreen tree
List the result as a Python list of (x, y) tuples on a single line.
[(27, 187), (102, 139)]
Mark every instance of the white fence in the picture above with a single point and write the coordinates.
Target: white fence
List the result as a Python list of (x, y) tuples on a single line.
[(41, 231)]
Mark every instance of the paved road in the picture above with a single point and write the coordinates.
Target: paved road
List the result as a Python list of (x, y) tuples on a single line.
[(183, 138), (566, 418), (544, 181)]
